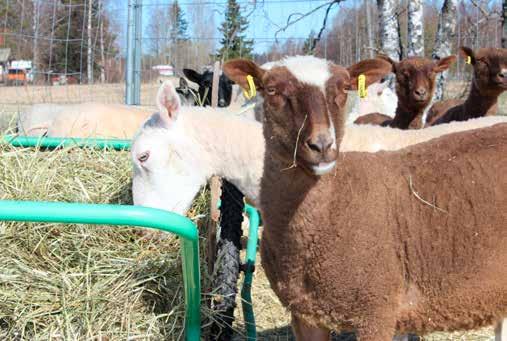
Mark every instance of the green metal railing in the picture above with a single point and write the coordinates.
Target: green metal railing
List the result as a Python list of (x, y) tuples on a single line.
[(136, 216), (73, 213), (251, 253), (57, 142)]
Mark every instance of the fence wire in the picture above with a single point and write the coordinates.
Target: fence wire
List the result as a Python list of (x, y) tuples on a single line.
[(77, 47)]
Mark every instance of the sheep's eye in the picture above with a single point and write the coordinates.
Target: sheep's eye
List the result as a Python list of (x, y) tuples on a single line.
[(143, 156), (271, 91)]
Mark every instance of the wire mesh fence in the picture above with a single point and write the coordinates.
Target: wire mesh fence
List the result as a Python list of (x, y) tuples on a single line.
[(69, 51)]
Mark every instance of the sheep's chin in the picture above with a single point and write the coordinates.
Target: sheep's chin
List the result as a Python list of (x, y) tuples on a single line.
[(323, 167)]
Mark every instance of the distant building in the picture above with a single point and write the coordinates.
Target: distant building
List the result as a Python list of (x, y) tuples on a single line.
[(164, 70)]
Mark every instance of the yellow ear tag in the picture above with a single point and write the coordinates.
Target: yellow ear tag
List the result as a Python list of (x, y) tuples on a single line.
[(361, 86), (252, 91), (468, 60)]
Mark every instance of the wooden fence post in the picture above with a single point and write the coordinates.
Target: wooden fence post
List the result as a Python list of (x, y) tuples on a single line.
[(215, 182)]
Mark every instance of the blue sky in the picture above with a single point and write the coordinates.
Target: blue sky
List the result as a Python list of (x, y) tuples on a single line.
[(267, 17)]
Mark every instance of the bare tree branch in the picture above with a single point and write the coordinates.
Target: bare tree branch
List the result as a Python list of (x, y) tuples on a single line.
[(301, 16), (483, 11), (323, 27)]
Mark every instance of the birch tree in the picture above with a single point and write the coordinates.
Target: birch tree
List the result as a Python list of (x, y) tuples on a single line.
[(371, 42), (504, 24), (102, 51), (36, 25), (389, 32), (445, 35), (388, 29), (415, 28)]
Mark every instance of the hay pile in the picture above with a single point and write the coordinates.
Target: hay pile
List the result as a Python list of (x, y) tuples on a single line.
[(78, 281)]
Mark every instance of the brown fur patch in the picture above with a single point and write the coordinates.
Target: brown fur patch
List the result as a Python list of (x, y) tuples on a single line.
[(438, 109), (350, 249), (374, 118)]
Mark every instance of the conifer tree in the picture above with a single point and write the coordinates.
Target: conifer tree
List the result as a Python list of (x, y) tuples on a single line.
[(178, 25), (234, 42)]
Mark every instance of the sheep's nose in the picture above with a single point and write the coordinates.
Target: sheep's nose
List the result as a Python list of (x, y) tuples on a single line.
[(221, 102), (321, 144), (503, 74), (421, 92)]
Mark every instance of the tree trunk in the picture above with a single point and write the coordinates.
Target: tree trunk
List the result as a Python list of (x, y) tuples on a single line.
[(388, 29), (371, 43), (389, 39), (357, 38), (504, 24), (35, 63), (90, 50), (415, 28), (102, 52), (445, 35)]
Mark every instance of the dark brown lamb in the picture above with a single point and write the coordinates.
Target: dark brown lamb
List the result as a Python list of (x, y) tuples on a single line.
[(377, 243), (489, 81), (415, 85)]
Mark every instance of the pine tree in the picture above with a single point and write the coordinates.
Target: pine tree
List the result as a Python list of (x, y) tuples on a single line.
[(234, 42), (178, 25)]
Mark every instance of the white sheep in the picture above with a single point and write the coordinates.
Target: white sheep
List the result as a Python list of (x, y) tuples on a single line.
[(380, 98)]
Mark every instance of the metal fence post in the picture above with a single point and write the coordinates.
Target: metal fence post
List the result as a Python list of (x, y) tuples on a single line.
[(137, 51), (133, 71)]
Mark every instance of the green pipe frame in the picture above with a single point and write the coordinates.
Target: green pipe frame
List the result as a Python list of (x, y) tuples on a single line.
[(74, 213), (251, 252), (58, 142)]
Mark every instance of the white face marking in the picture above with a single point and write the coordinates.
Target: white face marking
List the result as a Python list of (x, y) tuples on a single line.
[(169, 178), (308, 69), (332, 131), (323, 168)]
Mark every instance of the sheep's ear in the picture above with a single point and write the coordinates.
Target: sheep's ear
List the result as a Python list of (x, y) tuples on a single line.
[(183, 88), (444, 63), (168, 102), (193, 75), (373, 70), (238, 69), (468, 53), (388, 59)]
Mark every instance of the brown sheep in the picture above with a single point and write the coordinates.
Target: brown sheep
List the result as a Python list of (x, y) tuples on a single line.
[(415, 85), (489, 81), (374, 118), (384, 243)]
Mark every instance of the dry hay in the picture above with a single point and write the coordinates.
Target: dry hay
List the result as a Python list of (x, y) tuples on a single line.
[(67, 282)]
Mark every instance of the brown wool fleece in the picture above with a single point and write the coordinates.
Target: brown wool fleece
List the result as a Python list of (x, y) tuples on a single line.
[(438, 109), (412, 240)]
